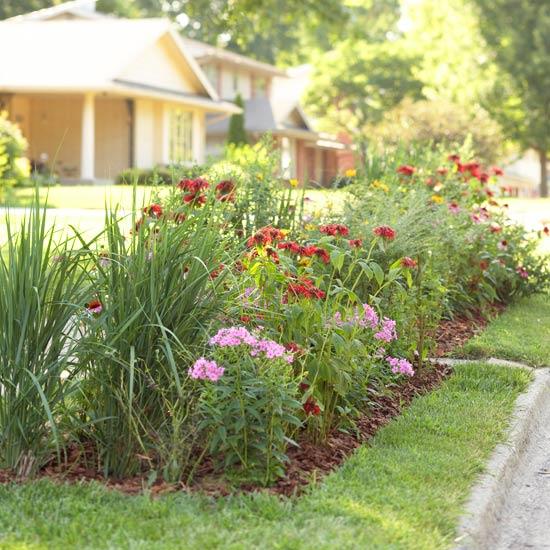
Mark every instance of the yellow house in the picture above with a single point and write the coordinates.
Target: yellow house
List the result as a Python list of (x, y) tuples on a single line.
[(94, 95)]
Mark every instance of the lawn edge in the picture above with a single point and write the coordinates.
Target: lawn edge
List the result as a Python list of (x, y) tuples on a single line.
[(479, 523)]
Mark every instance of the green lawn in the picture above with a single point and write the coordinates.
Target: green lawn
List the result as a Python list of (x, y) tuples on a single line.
[(521, 333), (404, 490)]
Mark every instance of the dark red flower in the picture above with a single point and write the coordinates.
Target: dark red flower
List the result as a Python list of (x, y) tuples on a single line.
[(225, 191), (311, 407), (264, 236), (292, 246), (155, 210), (384, 231), (216, 271), (408, 262), (406, 170), (312, 250), (334, 230), (193, 185), (95, 307), (484, 265), (305, 288), (245, 318), (546, 231), (356, 243), (497, 171), (303, 386), (272, 255), (295, 348), (454, 158)]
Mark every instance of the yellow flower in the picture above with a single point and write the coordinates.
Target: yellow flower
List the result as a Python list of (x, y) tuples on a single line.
[(305, 262), (285, 232), (260, 177), (310, 227), (437, 199), (350, 173), (293, 182), (380, 185)]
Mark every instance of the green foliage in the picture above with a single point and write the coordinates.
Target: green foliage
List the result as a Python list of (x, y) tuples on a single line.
[(518, 34), (236, 134), (158, 175), (440, 123), (13, 167), (357, 82), (42, 287)]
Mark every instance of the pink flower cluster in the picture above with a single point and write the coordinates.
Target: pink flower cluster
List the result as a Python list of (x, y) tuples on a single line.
[(237, 336), (365, 318), (400, 366), (203, 369), (387, 333)]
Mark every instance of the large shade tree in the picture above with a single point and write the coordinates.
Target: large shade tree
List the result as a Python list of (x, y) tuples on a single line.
[(518, 33)]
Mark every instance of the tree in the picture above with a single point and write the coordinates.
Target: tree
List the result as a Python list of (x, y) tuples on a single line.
[(11, 8), (440, 121), (518, 34), (237, 132), (355, 84)]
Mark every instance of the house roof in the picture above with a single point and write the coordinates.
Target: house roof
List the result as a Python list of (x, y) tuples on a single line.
[(205, 52), (78, 8), (86, 55)]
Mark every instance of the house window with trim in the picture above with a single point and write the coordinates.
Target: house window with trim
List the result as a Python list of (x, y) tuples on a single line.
[(181, 136)]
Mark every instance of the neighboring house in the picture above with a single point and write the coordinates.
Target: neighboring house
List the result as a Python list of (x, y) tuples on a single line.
[(94, 94), (271, 105), (522, 175)]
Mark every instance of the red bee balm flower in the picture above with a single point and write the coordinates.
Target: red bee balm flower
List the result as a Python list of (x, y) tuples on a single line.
[(355, 243), (334, 230), (264, 236), (225, 191), (155, 210), (95, 307), (384, 231), (497, 171), (193, 188), (408, 262), (304, 287), (311, 407), (406, 170)]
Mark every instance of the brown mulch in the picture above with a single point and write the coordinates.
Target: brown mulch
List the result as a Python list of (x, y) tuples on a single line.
[(308, 462)]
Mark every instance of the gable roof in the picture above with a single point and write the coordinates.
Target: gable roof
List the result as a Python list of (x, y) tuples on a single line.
[(205, 53), (88, 54)]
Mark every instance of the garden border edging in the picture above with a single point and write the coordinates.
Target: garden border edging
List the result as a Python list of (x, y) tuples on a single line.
[(478, 524)]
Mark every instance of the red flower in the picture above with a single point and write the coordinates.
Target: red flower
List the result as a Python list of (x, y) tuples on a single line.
[(311, 407), (484, 265), (95, 307), (225, 191), (384, 231), (264, 236), (355, 243), (497, 171), (442, 171), (193, 186), (454, 158), (334, 230), (406, 170), (216, 271), (293, 347), (546, 231), (305, 288), (408, 262), (245, 318), (272, 255), (303, 386), (155, 210), (292, 246), (312, 250)]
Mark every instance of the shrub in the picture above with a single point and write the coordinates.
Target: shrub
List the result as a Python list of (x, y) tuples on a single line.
[(159, 175), (14, 168)]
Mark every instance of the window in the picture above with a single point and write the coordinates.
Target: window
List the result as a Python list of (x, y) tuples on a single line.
[(213, 74), (181, 136)]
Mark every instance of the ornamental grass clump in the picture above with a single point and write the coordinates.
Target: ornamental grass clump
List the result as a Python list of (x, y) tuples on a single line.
[(159, 290), (43, 285)]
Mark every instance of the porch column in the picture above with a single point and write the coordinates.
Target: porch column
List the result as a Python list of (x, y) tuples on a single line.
[(87, 151)]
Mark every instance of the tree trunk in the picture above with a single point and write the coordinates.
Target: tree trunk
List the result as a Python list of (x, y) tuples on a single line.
[(543, 173)]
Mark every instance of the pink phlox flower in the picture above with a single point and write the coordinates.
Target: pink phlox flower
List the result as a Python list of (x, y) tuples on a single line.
[(203, 369), (232, 336), (387, 332), (400, 366)]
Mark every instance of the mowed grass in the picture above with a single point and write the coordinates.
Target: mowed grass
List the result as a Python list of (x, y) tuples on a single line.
[(521, 333), (404, 490)]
